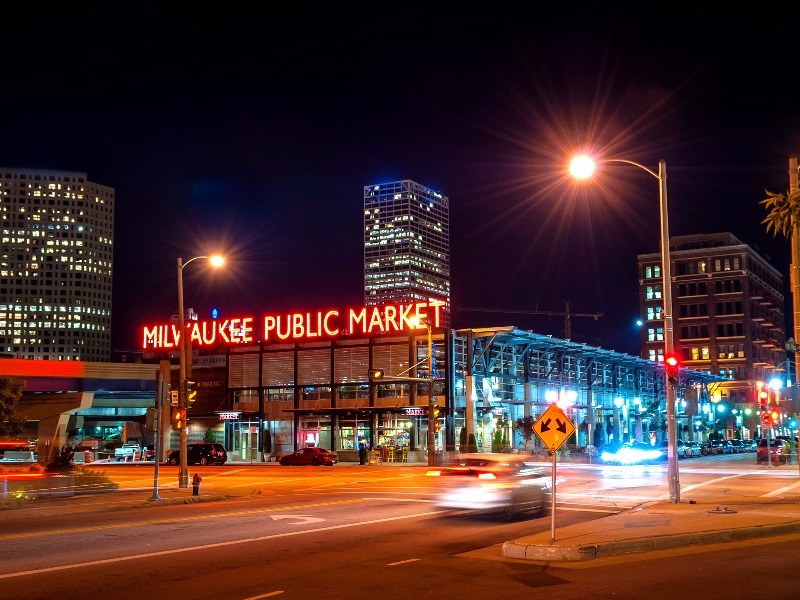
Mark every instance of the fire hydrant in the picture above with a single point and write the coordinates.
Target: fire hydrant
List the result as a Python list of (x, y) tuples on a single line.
[(196, 484)]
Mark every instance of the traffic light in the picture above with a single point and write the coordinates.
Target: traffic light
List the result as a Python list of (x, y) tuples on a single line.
[(178, 418), (191, 392), (375, 374), (437, 425), (775, 416), (763, 399), (672, 365)]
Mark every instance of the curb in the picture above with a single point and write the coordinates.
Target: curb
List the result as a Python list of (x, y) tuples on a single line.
[(545, 552)]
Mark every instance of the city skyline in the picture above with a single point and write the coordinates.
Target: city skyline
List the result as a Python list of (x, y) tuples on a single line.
[(254, 135)]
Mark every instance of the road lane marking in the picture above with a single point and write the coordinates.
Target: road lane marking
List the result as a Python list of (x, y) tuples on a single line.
[(782, 490), (109, 561), (165, 520), (402, 562), (304, 519), (269, 595)]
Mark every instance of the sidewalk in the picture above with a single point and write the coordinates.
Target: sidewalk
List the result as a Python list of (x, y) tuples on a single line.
[(661, 526)]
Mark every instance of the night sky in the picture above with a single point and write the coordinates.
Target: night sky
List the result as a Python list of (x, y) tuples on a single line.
[(253, 131)]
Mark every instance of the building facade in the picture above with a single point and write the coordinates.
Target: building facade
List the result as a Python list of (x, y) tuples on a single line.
[(406, 244), (728, 315), (55, 265)]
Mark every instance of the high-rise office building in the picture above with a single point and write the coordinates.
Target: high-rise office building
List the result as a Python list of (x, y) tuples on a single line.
[(728, 312), (406, 244), (55, 265)]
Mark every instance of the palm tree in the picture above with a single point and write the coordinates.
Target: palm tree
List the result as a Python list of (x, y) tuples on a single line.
[(783, 212), (783, 216)]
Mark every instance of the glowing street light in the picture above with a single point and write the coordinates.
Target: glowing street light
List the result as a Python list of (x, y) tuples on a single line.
[(185, 358), (583, 167)]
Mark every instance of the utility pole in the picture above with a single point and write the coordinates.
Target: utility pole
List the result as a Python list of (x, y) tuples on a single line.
[(794, 279)]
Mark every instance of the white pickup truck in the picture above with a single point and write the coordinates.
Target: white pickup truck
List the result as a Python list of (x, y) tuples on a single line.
[(125, 452)]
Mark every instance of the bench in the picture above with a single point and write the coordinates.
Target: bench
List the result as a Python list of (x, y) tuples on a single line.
[(18, 455)]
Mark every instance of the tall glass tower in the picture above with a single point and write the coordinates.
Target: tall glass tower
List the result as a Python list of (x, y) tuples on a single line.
[(406, 244), (56, 254)]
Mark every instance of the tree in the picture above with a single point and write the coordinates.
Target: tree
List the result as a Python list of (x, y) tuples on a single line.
[(210, 436), (525, 425), (462, 440), (783, 216), (783, 212), (10, 394)]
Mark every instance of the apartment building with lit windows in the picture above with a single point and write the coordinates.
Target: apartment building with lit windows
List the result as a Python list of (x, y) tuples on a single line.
[(55, 265), (728, 312), (406, 244)]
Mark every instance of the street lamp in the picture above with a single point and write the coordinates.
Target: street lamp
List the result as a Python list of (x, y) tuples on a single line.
[(582, 167), (185, 347), (431, 410)]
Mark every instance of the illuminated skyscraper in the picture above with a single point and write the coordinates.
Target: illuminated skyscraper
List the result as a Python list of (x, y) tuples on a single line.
[(406, 244), (55, 265)]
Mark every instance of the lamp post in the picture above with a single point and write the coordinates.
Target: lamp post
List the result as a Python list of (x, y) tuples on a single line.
[(185, 348), (582, 167), (416, 322), (431, 413)]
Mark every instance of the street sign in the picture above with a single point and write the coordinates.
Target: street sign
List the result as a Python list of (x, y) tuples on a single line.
[(766, 420), (553, 427)]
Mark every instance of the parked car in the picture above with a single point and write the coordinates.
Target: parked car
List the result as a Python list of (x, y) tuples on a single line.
[(721, 447), (737, 446), (779, 451), (680, 447), (309, 456), (691, 449), (751, 445), (492, 483), (200, 453)]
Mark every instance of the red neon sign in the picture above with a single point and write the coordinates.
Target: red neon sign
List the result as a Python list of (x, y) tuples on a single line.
[(327, 324)]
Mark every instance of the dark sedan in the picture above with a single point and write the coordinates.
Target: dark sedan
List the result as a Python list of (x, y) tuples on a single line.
[(201, 453), (309, 456)]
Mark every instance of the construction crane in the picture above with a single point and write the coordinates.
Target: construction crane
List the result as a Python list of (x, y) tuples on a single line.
[(566, 314)]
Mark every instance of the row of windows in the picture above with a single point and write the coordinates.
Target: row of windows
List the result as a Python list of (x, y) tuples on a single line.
[(689, 332), (695, 266), (693, 310)]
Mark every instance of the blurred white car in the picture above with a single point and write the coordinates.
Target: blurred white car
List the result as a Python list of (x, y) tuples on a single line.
[(494, 483)]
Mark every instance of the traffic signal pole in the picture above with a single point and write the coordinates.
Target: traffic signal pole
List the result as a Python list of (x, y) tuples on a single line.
[(431, 409)]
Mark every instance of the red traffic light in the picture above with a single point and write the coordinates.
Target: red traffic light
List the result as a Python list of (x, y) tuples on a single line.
[(672, 364)]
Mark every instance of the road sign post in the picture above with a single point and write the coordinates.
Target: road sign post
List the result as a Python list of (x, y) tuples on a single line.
[(553, 428)]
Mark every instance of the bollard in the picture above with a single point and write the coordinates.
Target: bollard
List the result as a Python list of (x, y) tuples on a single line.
[(196, 484), (87, 456)]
